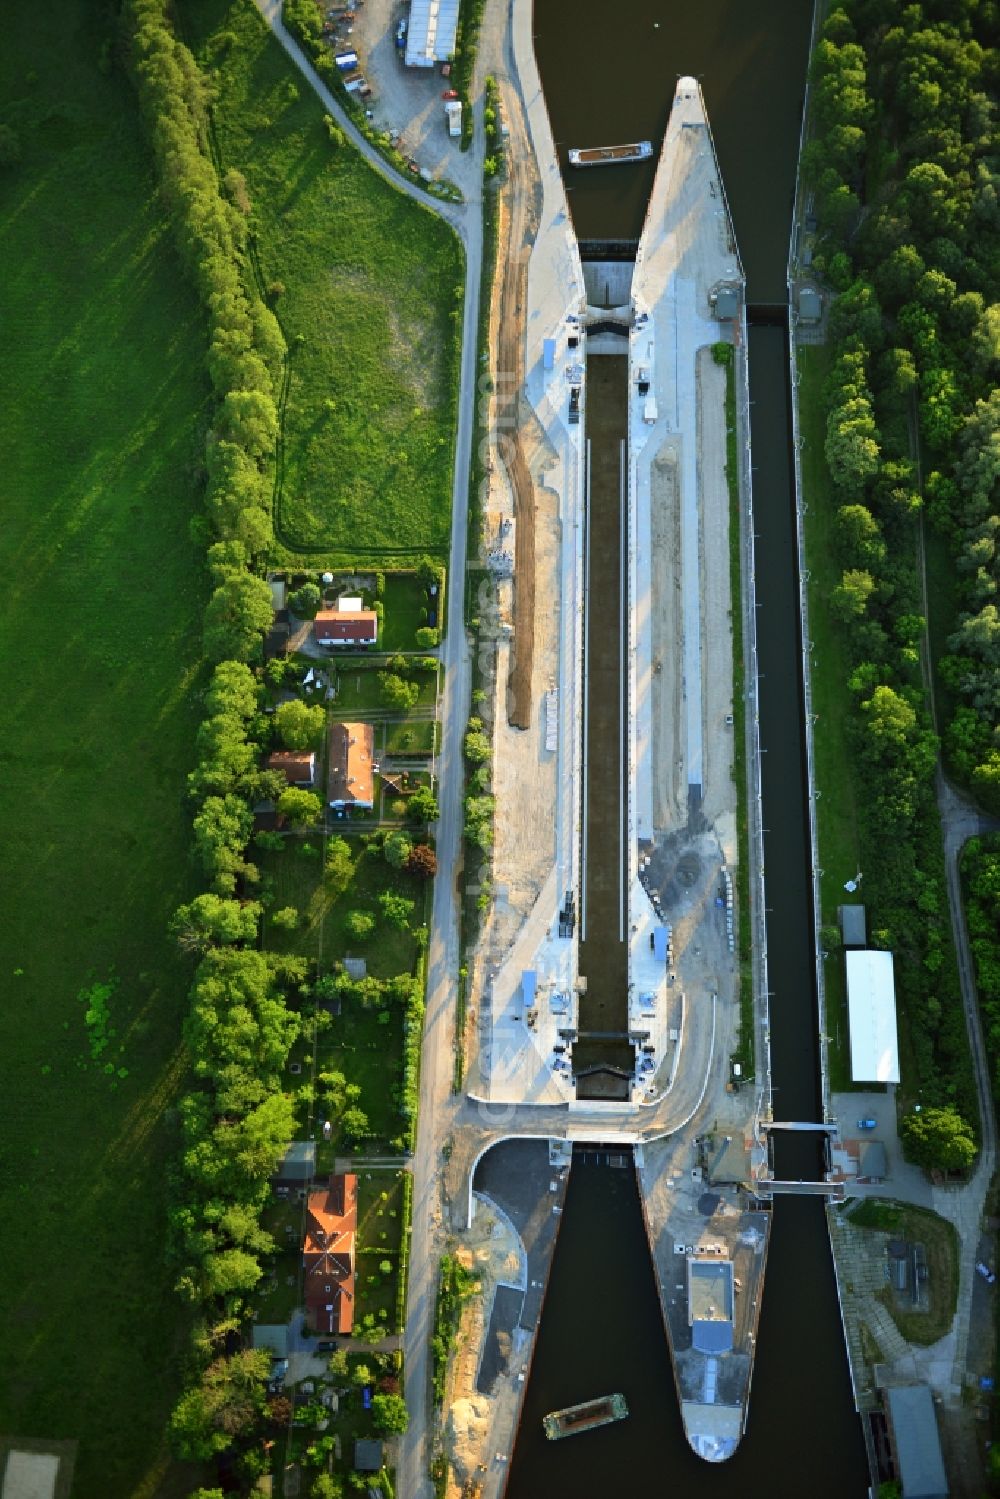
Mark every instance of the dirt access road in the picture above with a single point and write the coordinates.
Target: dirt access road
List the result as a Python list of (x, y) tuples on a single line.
[(519, 220)]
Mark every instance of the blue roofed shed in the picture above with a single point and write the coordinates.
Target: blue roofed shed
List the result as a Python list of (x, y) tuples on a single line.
[(710, 1304), (661, 945), (548, 353)]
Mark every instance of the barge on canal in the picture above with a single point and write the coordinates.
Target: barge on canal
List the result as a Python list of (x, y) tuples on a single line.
[(585, 1417), (609, 156)]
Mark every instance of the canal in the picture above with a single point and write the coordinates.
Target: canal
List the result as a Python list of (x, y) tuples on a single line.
[(609, 77)]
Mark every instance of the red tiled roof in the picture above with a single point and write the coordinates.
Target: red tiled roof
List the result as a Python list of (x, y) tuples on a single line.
[(328, 1254), (350, 774), (347, 627), (299, 767)]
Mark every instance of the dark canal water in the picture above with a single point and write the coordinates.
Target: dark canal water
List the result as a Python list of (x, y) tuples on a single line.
[(608, 74)]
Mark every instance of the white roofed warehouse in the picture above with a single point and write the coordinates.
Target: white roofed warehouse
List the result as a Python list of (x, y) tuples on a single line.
[(430, 36), (871, 1007)]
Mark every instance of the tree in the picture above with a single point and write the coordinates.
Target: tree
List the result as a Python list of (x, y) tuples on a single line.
[(298, 725), (422, 806), (851, 447), (397, 910), (422, 862), (221, 832), (396, 693), (477, 744), (230, 1271), (325, 1486), (389, 1413), (227, 1401), (359, 924), (850, 597), (428, 573), (226, 558), (232, 692), (859, 537), (427, 637), (939, 1139), (211, 918), (286, 919), (254, 530), (305, 601), (397, 849), (339, 1366), (339, 867), (356, 1127), (237, 614), (250, 419), (302, 808), (236, 1016)]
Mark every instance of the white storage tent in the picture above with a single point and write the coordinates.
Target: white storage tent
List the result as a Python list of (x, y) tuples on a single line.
[(871, 1007), (430, 36)]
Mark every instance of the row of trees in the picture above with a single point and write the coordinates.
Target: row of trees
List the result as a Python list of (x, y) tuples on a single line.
[(246, 347), (901, 314), (247, 1008), (236, 1120)]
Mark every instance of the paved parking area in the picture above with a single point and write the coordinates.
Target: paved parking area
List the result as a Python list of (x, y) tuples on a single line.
[(410, 99), (902, 1180)]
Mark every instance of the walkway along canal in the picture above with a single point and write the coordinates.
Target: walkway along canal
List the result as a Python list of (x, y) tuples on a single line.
[(601, 1328)]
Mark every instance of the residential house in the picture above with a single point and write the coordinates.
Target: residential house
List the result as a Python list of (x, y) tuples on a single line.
[(297, 766), (350, 778), (298, 1164), (349, 624), (328, 1255)]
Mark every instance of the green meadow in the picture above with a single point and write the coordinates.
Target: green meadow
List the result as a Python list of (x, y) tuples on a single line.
[(367, 285), (103, 397)]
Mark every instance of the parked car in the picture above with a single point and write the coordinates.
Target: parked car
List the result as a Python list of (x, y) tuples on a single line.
[(985, 1272), (327, 1345), (867, 1123), (401, 34)]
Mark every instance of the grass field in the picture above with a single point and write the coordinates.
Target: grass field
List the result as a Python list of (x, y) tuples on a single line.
[(404, 600), (358, 689), (102, 397), (370, 308), (322, 920)]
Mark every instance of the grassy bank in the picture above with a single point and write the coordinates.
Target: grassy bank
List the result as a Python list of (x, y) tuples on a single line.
[(367, 285), (837, 811), (102, 389)]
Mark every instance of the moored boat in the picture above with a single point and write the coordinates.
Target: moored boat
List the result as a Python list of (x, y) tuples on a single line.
[(608, 156), (584, 1417)]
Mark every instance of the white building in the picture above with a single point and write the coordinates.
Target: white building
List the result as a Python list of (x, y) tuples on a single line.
[(871, 1009)]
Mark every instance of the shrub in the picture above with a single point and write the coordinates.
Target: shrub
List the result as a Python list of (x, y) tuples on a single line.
[(359, 924), (286, 920), (305, 601)]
